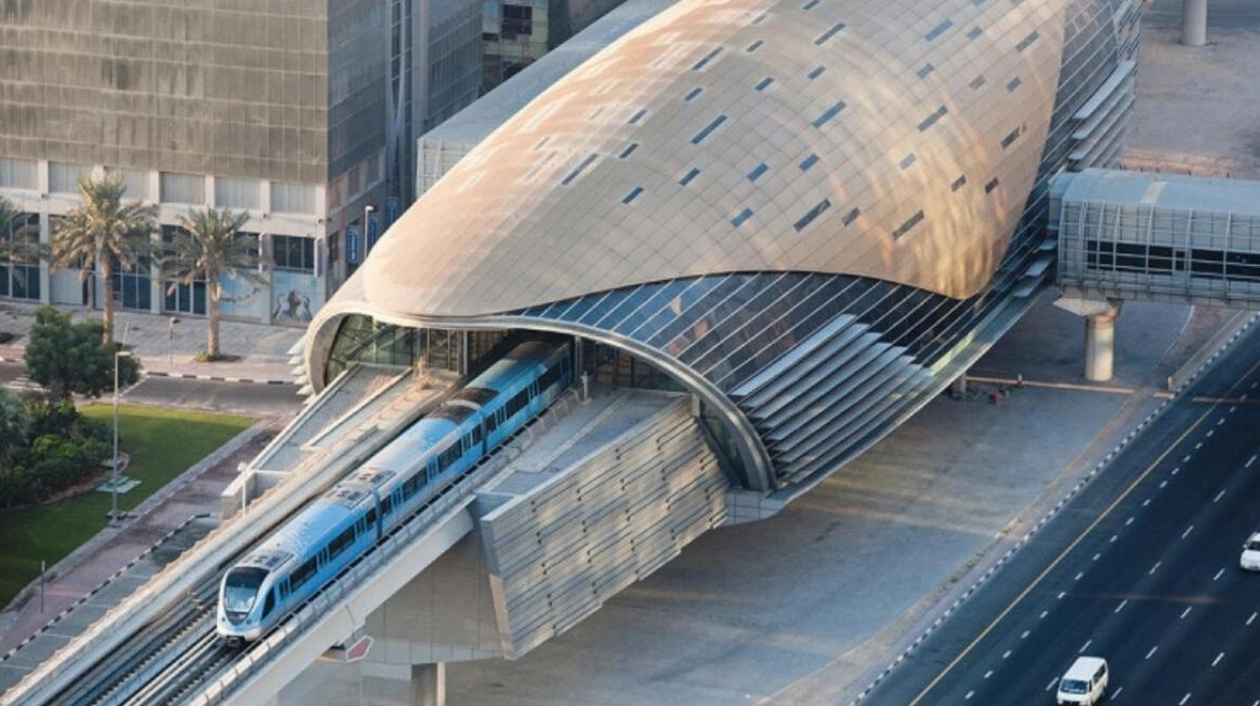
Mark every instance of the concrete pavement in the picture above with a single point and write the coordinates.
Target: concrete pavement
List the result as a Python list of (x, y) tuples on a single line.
[(167, 350)]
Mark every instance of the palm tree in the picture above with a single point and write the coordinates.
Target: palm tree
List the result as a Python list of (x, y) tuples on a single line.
[(210, 246), (103, 230), (16, 244)]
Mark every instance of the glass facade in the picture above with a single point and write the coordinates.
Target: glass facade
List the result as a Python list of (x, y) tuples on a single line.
[(19, 273)]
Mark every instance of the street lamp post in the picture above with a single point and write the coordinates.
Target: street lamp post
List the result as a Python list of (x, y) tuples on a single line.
[(170, 344), (113, 482)]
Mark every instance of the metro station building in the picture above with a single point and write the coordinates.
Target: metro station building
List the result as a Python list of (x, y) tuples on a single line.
[(811, 215)]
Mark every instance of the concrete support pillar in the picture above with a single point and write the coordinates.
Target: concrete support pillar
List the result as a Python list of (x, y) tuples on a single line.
[(1194, 22), (428, 684), (1100, 332), (958, 389), (1100, 340)]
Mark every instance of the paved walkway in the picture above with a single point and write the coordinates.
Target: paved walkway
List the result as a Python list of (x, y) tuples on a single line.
[(166, 350)]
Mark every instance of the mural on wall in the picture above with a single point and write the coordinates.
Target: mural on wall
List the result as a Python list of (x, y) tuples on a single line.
[(294, 297)]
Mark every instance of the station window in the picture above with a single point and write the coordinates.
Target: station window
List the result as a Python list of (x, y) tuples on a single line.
[(828, 114), (938, 30)]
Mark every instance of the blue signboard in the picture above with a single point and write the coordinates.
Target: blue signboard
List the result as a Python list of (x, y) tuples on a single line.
[(393, 209), (354, 244), (373, 229)]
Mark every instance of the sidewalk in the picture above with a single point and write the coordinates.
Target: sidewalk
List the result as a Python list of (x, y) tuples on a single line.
[(167, 350)]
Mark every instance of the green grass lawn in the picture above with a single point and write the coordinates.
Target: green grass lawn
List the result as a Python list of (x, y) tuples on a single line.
[(162, 443)]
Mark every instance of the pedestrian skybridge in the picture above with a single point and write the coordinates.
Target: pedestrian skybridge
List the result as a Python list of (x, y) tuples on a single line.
[(1151, 236)]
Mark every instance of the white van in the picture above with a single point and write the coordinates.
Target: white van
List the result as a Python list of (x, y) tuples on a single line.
[(1084, 683)]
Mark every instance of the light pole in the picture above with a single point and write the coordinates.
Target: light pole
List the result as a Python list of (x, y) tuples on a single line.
[(113, 481), (170, 344)]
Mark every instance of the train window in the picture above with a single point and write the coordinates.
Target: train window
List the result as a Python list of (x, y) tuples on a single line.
[(271, 604), (410, 486), (475, 436), (339, 544), (370, 518), (302, 573), (492, 422), (516, 404)]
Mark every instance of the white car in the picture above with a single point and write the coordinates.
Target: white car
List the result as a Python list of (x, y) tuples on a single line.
[(1085, 683), (1250, 559)]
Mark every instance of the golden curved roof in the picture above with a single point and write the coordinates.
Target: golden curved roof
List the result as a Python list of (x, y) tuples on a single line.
[(892, 139)]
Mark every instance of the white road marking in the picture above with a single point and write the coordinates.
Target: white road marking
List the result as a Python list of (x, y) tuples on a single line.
[(1043, 614), (1129, 521), (1183, 535), (1097, 555), (1062, 594), (969, 694), (1051, 685), (1251, 460), (1006, 655), (1116, 694), (988, 675), (1218, 659), (1155, 567), (1025, 633), (1188, 608), (1183, 700), (1118, 608), (1163, 483), (1233, 408), (1114, 538), (1153, 649), (1222, 420), (1199, 445), (1079, 575), (1253, 617), (1147, 502), (1218, 496), (1218, 574), (1082, 649), (1187, 457)]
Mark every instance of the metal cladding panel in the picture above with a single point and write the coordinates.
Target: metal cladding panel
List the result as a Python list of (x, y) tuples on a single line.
[(766, 319), (610, 520), (824, 136)]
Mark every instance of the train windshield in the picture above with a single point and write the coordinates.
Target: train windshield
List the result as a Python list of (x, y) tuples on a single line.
[(240, 589)]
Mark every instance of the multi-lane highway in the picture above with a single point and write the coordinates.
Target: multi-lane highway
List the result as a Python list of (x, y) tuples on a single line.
[(1139, 567)]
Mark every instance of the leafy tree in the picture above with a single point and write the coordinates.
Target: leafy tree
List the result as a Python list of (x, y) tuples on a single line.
[(16, 243), (210, 246), (103, 230), (68, 358), (15, 428)]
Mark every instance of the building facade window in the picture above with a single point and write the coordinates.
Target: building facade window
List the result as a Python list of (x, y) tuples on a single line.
[(182, 188), (19, 277), (294, 253), (237, 193), (178, 297), (289, 198), (63, 177), (133, 286), (18, 174)]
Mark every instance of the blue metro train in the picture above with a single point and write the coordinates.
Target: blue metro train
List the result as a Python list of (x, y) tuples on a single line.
[(322, 539)]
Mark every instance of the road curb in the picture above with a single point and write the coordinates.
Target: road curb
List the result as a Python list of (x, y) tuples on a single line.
[(190, 376), (220, 379)]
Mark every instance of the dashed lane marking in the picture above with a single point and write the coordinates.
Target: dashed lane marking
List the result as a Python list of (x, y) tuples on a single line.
[(1025, 633), (1051, 685), (1078, 576), (1155, 567), (1218, 574), (1187, 611), (1082, 649), (1251, 461), (1129, 521), (1121, 606), (1218, 496), (1006, 655), (988, 675), (1218, 659), (1147, 502), (1183, 535), (1116, 694), (1252, 617), (969, 694), (1183, 700), (1152, 652)]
